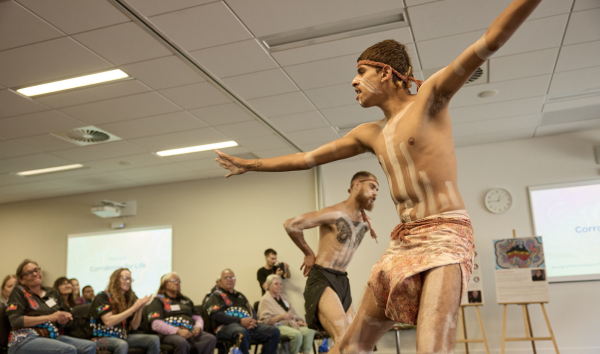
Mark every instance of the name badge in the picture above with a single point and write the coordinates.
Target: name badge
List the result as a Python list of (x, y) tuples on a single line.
[(51, 303), (287, 304), (175, 308)]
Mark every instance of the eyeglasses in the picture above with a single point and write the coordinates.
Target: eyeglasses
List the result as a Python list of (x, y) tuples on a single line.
[(175, 281), (37, 270), (128, 279), (229, 278)]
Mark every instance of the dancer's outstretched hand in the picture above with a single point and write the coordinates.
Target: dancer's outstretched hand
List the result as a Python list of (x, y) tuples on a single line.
[(236, 166), (309, 261)]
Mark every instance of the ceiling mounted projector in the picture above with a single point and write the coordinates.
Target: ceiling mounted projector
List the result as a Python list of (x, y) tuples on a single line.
[(108, 209)]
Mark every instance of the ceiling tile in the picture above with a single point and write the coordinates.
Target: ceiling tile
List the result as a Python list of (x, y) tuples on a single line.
[(99, 152), (288, 103), (195, 96), (154, 7), (93, 93), (202, 26), (324, 73), (340, 47), (126, 162), (74, 16), (418, 2), (522, 65), (455, 17), (261, 84), (171, 178), (299, 121), (222, 114), (578, 56), (567, 127), (266, 17), (571, 115), (496, 110), (575, 81), (56, 59), (14, 19), (163, 72), (572, 102), (267, 154), (494, 137), (10, 148), (154, 171), (332, 96), (583, 27), (440, 52), (14, 104), (225, 60), (31, 162), (180, 139), (244, 130), (581, 5), (155, 125), (508, 90), (123, 44), (495, 125), (262, 143), (37, 123), (117, 109), (351, 116), (201, 164), (45, 142), (313, 136), (8, 179)]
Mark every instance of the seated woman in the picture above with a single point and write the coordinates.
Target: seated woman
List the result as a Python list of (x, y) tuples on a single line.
[(35, 316), (78, 299), (64, 289), (175, 319), (117, 310), (8, 284), (275, 309)]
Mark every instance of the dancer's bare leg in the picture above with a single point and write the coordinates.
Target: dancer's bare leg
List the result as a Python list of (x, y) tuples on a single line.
[(438, 310), (332, 316), (369, 324)]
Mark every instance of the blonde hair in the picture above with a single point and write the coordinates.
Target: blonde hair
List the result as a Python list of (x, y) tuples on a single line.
[(270, 279)]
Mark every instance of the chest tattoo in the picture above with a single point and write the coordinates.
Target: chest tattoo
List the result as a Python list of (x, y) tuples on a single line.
[(345, 231)]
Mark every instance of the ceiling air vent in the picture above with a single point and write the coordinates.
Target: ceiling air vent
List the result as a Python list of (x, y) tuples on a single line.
[(335, 31), (480, 76), (86, 136)]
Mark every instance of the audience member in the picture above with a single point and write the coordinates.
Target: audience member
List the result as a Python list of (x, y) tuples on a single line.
[(115, 312), (87, 294), (275, 309), (231, 316), (35, 316), (173, 316), (78, 299), (8, 284), (271, 267), (64, 289)]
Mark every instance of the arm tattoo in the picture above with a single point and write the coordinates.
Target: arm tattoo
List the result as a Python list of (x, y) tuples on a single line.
[(344, 230), (254, 166)]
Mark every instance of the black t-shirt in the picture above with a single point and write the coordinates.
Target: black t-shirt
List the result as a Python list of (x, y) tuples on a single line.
[(22, 302), (102, 305), (177, 311), (282, 303), (262, 275), (224, 308)]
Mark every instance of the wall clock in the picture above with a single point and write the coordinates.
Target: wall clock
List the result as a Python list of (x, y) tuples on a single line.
[(498, 200)]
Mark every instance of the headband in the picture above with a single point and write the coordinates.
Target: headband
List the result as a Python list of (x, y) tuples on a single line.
[(364, 215), (406, 80)]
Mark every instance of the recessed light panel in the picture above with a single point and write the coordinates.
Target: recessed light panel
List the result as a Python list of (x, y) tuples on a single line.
[(49, 170), (198, 148), (73, 83)]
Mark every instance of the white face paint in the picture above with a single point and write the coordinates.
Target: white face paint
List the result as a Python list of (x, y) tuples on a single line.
[(366, 83)]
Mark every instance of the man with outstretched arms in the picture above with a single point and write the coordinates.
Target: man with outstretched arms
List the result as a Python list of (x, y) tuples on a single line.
[(328, 302), (421, 277)]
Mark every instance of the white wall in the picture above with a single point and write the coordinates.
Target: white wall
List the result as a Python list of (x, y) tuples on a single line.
[(574, 310), (217, 224)]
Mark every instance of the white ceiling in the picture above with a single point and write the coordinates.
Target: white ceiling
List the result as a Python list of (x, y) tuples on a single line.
[(548, 77)]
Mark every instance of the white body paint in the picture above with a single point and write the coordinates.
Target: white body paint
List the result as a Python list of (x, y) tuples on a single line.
[(415, 182), (482, 50), (429, 192), (451, 193), (364, 82)]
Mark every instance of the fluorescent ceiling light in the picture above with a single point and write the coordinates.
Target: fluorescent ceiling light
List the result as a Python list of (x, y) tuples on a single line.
[(73, 83), (48, 170), (198, 148)]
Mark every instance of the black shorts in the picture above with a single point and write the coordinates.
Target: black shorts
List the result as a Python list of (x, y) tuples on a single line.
[(318, 280)]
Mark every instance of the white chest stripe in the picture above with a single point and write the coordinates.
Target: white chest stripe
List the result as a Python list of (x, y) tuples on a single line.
[(429, 193), (415, 182)]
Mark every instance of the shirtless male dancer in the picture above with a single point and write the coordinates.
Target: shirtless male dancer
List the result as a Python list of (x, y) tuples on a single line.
[(421, 277), (327, 298)]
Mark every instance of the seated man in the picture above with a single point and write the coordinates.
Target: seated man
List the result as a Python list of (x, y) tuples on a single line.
[(272, 267), (88, 294), (233, 319)]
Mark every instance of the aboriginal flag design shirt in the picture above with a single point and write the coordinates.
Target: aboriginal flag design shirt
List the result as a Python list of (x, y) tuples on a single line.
[(232, 304), (176, 311), (102, 305), (21, 303)]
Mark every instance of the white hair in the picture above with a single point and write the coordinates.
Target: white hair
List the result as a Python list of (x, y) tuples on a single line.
[(270, 279)]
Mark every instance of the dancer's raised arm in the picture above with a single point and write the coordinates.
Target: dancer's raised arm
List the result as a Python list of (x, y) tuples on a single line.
[(450, 79), (350, 145)]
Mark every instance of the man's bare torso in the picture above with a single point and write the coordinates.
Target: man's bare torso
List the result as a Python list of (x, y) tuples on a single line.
[(416, 152), (339, 241)]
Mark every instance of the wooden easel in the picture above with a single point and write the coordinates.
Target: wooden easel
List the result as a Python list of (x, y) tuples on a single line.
[(463, 329), (528, 330)]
